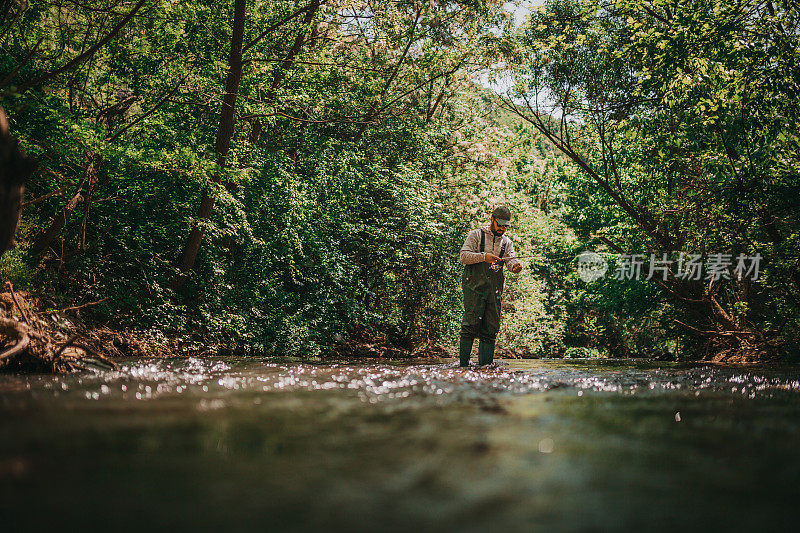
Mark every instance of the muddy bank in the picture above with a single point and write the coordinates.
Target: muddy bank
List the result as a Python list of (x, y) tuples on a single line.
[(35, 339)]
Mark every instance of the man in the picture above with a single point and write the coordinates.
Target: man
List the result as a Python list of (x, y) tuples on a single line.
[(483, 255)]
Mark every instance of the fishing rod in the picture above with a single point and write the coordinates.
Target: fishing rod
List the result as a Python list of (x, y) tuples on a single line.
[(540, 258)]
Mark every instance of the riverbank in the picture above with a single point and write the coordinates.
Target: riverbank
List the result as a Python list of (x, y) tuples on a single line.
[(60, 341), (36, 339)]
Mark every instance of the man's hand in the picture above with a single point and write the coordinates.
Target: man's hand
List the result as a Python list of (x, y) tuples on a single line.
[(490, 258), (516, 269)]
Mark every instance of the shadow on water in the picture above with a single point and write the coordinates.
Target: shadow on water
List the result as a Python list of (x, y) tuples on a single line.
[(258, 444)]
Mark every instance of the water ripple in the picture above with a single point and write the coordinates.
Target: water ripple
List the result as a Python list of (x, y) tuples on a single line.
[(384, 381)]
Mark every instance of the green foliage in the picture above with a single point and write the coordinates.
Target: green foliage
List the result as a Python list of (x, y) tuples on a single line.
[(584, 353), (362, 152), (682, 120), (331, 214), (15, 268)]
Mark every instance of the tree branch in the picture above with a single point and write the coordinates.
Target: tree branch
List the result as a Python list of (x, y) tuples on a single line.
[(85, 55)]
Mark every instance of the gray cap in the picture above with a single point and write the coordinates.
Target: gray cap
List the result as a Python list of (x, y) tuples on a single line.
[(502, 215)]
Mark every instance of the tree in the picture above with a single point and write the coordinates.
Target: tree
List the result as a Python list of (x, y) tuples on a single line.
[(15, 169), (684, 116), (224, 135)]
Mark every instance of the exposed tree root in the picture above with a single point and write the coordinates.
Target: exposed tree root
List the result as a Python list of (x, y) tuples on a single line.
[(18, 333), (54, 343), (740, 346), (744, 353)]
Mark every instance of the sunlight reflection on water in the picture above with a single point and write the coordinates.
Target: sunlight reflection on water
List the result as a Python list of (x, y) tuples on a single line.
[(376, 381), (515, 443)]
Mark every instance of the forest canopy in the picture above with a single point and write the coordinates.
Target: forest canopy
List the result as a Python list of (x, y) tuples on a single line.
[(288, 177)]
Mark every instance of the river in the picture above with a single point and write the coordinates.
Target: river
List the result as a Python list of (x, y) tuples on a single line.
[(270, 445)]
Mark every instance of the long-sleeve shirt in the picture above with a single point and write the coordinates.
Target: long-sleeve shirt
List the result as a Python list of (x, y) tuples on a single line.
[(471, 251)]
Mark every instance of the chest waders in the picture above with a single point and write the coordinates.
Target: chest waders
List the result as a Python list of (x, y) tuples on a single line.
[(482, 284)]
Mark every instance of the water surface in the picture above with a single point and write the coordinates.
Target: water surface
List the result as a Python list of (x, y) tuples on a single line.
[(523, 445)]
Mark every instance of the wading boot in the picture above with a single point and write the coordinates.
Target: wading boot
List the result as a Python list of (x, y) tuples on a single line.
[(485, 353), (464, 350)]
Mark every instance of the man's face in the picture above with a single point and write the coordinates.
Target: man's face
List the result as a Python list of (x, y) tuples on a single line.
[(496, 228)]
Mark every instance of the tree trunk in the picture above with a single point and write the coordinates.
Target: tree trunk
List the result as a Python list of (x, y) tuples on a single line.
[(222, 145), (286, 64), (85, 55), (58, 224), (15, 169)]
